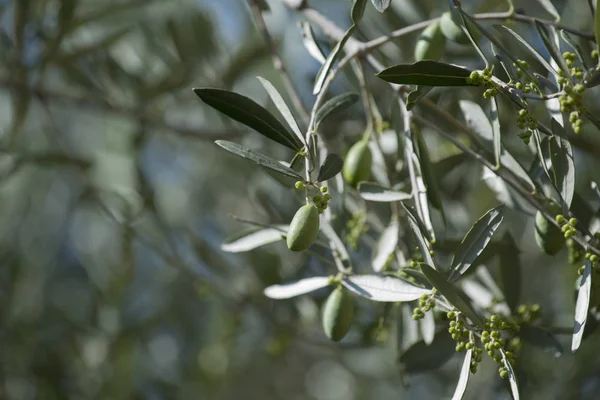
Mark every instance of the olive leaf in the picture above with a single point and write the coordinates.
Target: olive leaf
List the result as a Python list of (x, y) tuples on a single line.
[(385, 246), (260, 159), (282, 107), (496, 133), (427, 73), (381, 5), (463, 379), (451, 293), (296, 288), (422, 357), (249, 113), (254, 238), (530, 48), (334, 105), (421, 240), (383, 288), (332, 165), (563, 166), (372, 191), (416, 95), (550, 40), (475, 241), (310, 43), (427, 326), (357, 12), (458, 12), (512, 378), (597, 23), (549, 7), (541, 338), (510, 271), (433, 192), (582, 305)]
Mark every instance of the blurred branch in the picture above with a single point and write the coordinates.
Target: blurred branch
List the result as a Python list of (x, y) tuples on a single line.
[(277, 62), (102, 105)]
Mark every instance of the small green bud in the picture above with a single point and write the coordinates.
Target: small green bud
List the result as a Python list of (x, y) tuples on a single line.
[(594, 258), (299, 185), (573, 222), (323, 189), (503, 374)]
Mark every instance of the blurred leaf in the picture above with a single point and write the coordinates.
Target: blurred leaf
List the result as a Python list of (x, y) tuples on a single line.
[(334, 105), (421, 357), (383, 288), (250, 240), (427, 325), (249, 113), (372, 191), (385, 246), (426, 73), (596, 189), (310, 43), (463, 379), (496, 132), (109, 10), (597, 23), (541, 338), (582, 305), (529, 48), (549, 7), (258, 158), (421, 240), (357, 12), (381, 5), (433, 193), (451, 293), (510, 272), (296, 288), (416, 95), (331, 167), (467, 30), (546, 83), (512, 378), (102, 44), (446, 165), (475, 242)]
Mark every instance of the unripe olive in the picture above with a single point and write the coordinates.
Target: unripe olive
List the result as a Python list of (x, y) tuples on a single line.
[(431, 43), (548, 237), (304, 228), (452, 29), (338, 314), (357, 165)]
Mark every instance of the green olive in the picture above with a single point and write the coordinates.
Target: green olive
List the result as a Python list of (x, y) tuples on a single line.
[(452, 29), (431, 43), (548, 237), (303, 229), (338, 314), (357, 165)]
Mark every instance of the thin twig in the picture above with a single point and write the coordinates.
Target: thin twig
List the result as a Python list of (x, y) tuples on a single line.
[(277, 61)]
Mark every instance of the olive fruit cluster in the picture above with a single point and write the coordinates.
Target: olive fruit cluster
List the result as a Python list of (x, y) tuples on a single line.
[(572, 99), (356, 226), (483, 78), (524, 82), (357, 165), (321, 201), (527, 123), (568, 227), (547, 236), (528, 313), (303, 229), (426, 303), (338, 314), (431, 43)]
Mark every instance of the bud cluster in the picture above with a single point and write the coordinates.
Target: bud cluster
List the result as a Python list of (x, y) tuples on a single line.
[(483, 78), (426, 303), (527, 123), (357, 225), (572, 99), (524, 82)]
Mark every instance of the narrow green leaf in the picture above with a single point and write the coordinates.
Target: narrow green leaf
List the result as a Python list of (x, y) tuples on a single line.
[(372, 191), (549, 7), (597, 23), (583, 57), (358, 10), (510, 272), (433, 193), (582, 305), (546, 83), (310, 43), (421, 357), (596, 189), (496, 133), (282, 107), (381, 5), (334, 105), (427, 326), (416, 95), (427, 73), (467, 30), (254, 238), (386, 245), (563, 166), (512, 378), (383, 288), (475, 242), (530, 48), (296, 288), (249, 113), (421, 240), (463, 379), (550, 39), (258, 158), (452, 294), (332, 165)]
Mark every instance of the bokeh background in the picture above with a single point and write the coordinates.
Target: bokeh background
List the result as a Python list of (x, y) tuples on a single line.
[(114, 202)]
